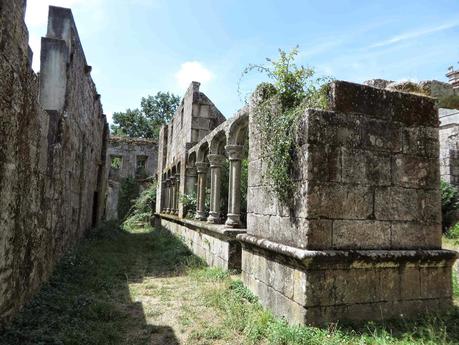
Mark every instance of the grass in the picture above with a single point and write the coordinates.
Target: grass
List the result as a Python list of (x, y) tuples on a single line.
[(143, 286)]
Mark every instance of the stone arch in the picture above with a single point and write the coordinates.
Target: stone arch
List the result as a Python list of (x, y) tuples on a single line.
[(217, 143), (203, 151), (238, 131)]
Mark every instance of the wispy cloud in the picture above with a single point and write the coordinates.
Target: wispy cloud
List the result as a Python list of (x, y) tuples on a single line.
[(415, 34), (192, 71)]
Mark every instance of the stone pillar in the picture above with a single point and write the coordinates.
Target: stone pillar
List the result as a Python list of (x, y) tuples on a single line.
[(216, 162), (191, 179), (234, 189), (168, 196), (177, 193), (163, 196), (173, 195), (201, 195)]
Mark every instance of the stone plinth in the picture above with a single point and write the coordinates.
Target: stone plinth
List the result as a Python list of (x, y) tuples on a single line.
[(368, 180)]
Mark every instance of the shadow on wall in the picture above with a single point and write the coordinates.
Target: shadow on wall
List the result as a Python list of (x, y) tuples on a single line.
[(88, 299)]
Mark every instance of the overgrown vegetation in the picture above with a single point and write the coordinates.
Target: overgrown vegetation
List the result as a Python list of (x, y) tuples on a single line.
[(189, 204), (143, 286), (142, 208), (449, 204), (278, 108), (129, 192)]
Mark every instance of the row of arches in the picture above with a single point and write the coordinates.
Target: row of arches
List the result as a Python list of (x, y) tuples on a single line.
[(213, 174)]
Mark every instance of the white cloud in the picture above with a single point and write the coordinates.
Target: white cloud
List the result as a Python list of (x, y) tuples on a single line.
[(415, 34), (192, 71), (37, 10)]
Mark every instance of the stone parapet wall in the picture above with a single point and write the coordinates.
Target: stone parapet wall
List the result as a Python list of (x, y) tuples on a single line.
[(52, 155), (214, 244)]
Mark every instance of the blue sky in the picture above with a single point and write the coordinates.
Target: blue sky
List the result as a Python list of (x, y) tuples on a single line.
[(139, 47)]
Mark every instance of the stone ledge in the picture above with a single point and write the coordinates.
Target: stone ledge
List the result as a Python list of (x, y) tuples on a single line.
[(218, 230), (358, 258)]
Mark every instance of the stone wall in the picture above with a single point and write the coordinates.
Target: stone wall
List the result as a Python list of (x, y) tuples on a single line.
[(195, 118), (365, 225), (52, 153), (138, 158)]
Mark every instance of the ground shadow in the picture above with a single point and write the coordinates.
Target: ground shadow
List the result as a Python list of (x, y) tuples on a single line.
[(88, 301)]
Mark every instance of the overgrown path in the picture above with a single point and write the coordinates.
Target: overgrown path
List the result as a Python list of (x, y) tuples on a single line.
[(145, 287)]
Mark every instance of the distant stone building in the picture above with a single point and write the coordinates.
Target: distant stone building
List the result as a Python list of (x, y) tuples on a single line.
[(128, 157)]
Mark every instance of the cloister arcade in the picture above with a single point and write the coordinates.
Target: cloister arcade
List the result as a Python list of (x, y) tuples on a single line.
[(205, 162)]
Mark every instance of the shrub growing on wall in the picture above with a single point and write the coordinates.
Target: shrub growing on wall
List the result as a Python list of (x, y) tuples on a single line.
[(129, 191), (278, 107), (449, 204), (143, 207)]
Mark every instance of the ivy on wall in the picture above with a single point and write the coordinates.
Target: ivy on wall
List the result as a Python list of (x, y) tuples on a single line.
[(278, 106)]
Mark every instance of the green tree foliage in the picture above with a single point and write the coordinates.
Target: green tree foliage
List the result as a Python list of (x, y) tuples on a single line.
[(279, 105), (451, 102), (449, 204), (146, 122)]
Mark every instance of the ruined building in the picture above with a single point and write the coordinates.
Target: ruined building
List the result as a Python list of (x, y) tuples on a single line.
[(128, 157), (52, 152), (363, 239)]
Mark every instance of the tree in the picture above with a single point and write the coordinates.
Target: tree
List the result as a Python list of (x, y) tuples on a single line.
[(146, 122)]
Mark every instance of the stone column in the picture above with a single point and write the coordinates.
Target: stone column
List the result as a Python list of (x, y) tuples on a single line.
[(234, 189), (168, 196), (216, 162), (172, 195), (163, 196), (177, 193), (191, 178), (201, 195)]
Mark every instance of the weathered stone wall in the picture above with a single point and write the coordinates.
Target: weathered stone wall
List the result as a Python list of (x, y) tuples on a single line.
[(214, 244), (51, 154), (195, 117), (368, 183), (131, 152), (449, 145)]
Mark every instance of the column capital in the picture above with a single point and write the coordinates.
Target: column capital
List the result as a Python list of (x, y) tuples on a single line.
[(216, 160), (202, 167), (234, 152), (172, 178), (191, 170)]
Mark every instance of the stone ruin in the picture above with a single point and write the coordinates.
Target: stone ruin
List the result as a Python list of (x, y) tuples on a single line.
[(52, 152), (128, 157), (361, 242)]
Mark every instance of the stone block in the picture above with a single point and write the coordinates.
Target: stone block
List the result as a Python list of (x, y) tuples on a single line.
[(367, 234), (436, 282), (339, 201), (409, 109), (332, 128), (395, 203), (415, 235), (366, 167), (415, 172), (381, 135), (421, 141)]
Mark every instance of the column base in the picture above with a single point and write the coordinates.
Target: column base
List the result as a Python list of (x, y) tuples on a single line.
[(200, 215), (233, 220), (214, 218)]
